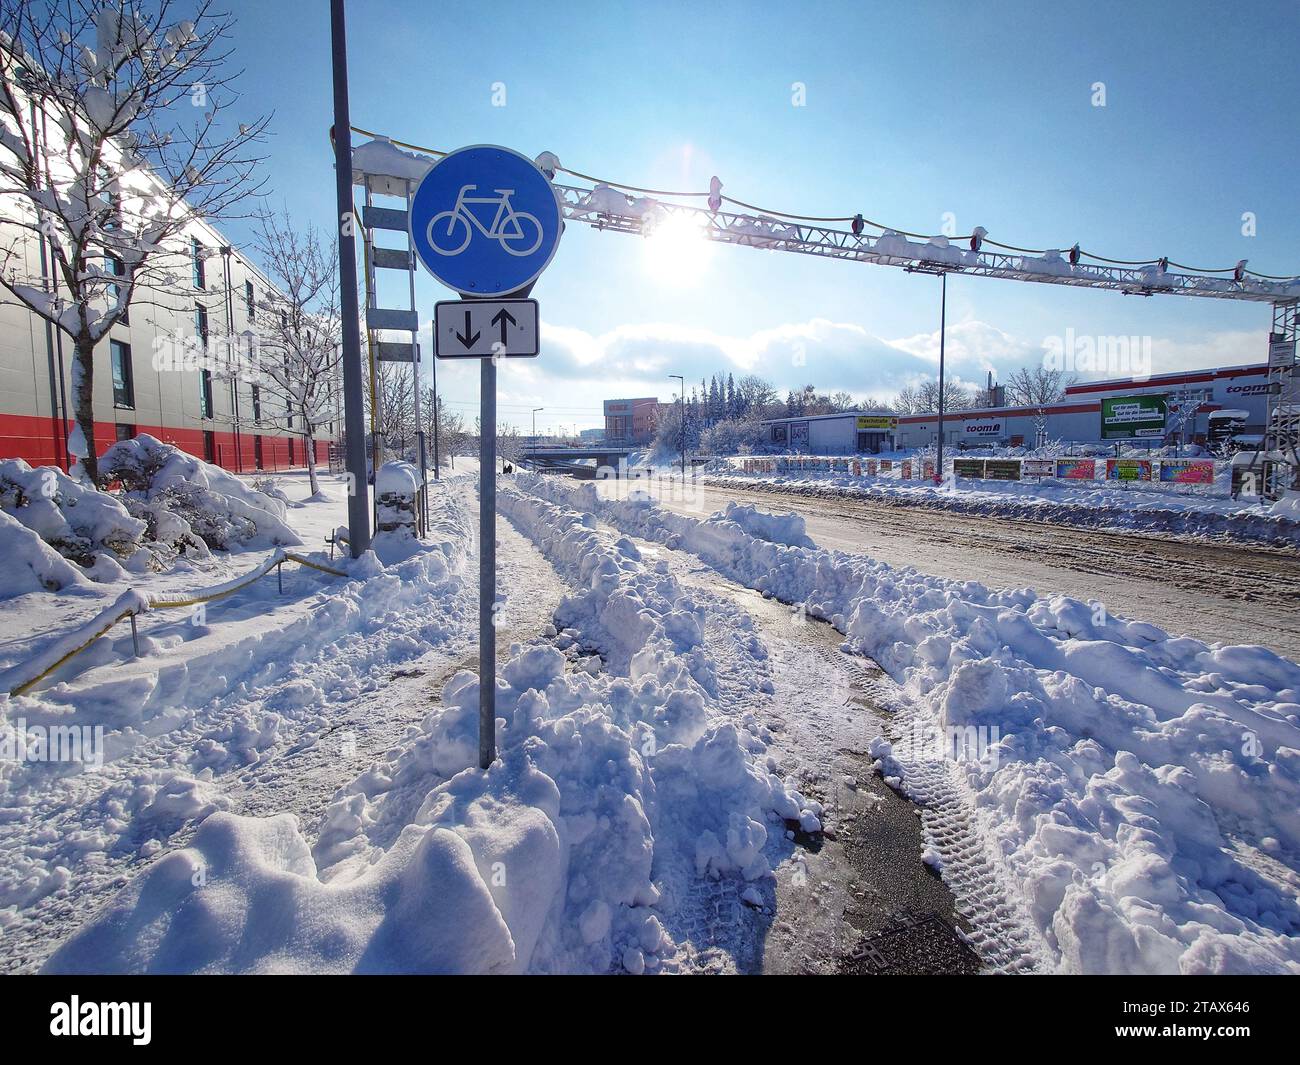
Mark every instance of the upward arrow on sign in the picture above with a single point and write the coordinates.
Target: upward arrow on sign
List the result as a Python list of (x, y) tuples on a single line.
[(501, 318)]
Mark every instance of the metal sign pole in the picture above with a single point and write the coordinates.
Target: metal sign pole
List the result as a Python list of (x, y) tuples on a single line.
[(487, 564), (493, 272), (943, 321), (354, 410)]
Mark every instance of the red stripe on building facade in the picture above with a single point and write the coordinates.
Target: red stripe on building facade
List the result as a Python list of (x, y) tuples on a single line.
[(27, 437)]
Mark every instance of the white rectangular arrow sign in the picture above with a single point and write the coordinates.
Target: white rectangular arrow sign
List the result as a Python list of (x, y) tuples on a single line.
[(477, 329)]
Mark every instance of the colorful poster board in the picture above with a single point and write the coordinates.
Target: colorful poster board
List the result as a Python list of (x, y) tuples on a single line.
[(907, 469), (1002, 469), (1076, 469), (1187, 471), (886, 465), (1038, 467), (1128, 469), (1130, 417)]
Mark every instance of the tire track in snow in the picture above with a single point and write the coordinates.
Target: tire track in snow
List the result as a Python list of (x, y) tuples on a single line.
[(1002, 932), (828, 900)]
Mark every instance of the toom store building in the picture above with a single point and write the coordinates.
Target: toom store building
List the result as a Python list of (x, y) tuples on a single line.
[(1077, 418)]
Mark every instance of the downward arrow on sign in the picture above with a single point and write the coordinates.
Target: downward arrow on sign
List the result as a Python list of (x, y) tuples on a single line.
[(469, 340)]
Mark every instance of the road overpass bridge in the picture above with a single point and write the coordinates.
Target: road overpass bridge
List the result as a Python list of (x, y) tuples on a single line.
[(578, 460)]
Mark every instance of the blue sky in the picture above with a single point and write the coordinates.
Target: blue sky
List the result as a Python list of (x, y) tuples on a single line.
[(913, 110)]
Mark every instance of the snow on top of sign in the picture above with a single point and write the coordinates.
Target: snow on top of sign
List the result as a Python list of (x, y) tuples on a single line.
[(380, 158)]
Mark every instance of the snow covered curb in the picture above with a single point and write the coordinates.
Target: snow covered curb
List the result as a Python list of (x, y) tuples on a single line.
[(1112, 509), (1139, 787)]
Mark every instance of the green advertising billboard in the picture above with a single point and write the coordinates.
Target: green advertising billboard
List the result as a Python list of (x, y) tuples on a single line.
[(1130, 417)]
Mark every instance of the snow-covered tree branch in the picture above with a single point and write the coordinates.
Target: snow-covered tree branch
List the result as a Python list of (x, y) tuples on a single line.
[(114, 140), (299, 329)]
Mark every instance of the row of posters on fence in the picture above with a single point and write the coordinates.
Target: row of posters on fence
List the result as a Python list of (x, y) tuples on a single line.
[(1168, 471)]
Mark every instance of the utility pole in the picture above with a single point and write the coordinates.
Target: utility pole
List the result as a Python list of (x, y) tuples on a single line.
[(354, 412), (943, 318), (535, 410), (681, 423)]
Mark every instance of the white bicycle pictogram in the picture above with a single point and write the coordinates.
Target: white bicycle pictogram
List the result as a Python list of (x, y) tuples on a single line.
[(509, 227)]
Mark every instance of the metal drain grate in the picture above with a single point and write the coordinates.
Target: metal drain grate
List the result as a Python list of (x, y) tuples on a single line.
[(914, 944)]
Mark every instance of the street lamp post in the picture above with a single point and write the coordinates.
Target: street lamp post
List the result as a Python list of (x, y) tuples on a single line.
[(535, 410), (681, 422), (943, 317)]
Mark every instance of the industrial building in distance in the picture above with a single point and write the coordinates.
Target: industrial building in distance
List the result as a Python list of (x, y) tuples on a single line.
[(1173, 408)]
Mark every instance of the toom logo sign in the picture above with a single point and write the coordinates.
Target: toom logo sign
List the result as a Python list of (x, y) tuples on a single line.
[(984, 428), (1248, 390)]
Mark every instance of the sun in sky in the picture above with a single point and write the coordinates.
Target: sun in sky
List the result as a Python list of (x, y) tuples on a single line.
[(677, 251)]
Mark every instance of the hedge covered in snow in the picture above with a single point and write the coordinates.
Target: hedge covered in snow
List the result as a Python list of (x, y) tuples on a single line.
[(190, 504)]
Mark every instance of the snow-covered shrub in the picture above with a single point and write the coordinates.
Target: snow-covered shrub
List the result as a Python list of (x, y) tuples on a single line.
[(213, 505), (77, 521), (733, 436), (165, 526), (31, 565), (267, 487)]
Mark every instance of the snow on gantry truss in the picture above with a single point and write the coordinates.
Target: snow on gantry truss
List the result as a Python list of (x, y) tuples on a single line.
[(628, 209)]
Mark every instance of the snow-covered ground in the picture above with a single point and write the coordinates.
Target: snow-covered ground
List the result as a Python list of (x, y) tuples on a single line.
[(1097, 504), (1099, 795), (1137, 792)]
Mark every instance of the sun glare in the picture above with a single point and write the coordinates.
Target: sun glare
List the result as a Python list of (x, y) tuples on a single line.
[(677, 251)]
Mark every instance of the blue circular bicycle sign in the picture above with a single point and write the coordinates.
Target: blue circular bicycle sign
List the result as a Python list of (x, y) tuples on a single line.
[(485, 221)]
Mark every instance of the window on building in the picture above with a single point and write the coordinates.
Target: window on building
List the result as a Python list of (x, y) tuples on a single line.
[(209, 446), (110, 195), (123, 378), (291, 456), (201, 323), (250, 302), (115, 266), (205, 393), (257, 403), (196, 257), (257, 452), (125, 432)]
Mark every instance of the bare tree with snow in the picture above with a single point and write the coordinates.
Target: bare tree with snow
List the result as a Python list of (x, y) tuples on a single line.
[(1038, 387), (113, 140), (299, 329)]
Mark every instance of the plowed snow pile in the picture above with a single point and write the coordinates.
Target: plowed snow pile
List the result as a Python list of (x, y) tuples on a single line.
[(1142, 790), (605, 785)]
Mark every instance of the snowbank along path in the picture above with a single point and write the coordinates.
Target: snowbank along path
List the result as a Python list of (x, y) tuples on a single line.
[(1139, 791)]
